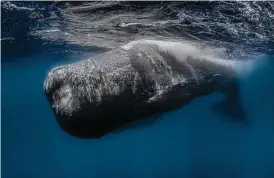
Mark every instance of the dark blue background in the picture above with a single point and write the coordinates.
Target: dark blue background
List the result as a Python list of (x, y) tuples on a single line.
[(194, 141)]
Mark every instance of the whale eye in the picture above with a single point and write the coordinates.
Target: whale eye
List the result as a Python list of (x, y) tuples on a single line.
[(65, 97), (62, 99)]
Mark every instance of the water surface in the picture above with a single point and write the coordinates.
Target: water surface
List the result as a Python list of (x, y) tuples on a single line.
[(194, 141)]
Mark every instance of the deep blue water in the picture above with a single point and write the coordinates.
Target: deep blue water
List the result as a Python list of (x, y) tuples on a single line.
[(194, 141)]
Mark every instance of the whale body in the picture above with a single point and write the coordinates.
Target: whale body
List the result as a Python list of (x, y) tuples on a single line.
[(143, 78)]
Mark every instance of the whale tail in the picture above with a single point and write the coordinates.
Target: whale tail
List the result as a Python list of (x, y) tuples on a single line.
[(231, 106)]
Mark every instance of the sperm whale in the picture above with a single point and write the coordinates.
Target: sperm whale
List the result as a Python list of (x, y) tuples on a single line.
[(143, 78)]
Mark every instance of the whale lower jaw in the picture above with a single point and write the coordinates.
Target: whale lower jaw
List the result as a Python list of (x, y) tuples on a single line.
[(97, 121)]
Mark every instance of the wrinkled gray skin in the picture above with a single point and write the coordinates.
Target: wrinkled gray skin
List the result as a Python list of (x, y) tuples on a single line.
[(92, 97)]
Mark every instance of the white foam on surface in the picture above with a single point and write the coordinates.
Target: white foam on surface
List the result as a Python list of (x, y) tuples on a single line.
[(245, 67)]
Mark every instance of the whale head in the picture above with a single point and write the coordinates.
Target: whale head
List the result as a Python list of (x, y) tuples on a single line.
[(59, 91), (78, 104), (64, 91)]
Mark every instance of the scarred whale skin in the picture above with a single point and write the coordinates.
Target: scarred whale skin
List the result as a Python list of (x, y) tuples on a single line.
[(140, 79)]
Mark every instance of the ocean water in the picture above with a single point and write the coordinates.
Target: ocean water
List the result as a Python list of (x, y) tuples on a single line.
[(195, 141)]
